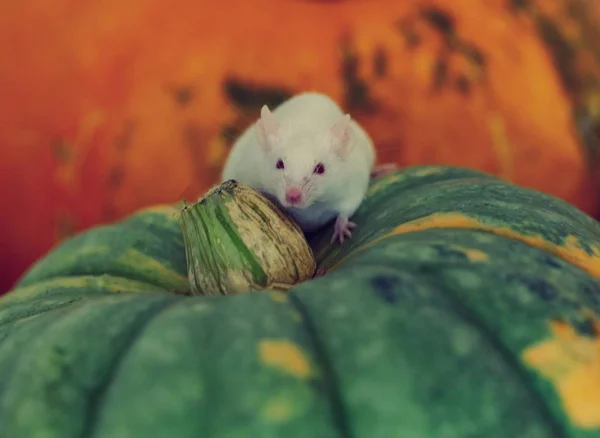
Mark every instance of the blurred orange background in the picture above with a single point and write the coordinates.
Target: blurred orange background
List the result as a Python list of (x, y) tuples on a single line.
[(109, 106)]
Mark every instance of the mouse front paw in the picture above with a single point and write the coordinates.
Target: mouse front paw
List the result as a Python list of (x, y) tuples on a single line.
[(342, 229)]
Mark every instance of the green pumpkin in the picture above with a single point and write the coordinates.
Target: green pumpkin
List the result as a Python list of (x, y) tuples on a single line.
[(462, 306)]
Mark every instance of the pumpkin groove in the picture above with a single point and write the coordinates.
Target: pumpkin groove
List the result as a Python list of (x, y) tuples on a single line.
[(433, 332), (98, 394), (14, 345), (330, 379), (120, 321), (237, 395), (477, 322), (403, 353)]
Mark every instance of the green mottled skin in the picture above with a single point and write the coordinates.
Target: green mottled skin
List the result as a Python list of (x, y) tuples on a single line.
[(407, 338), (113, 249)]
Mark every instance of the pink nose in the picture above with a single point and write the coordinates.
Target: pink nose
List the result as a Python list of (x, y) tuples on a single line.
[(293, 195)]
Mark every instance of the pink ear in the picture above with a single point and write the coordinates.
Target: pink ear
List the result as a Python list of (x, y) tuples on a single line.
[(341, 134), (267, 127)]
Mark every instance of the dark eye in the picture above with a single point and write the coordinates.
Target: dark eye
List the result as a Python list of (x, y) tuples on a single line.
[(319, 168), (279, 164)]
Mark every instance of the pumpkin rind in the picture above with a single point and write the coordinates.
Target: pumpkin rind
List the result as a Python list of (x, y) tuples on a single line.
[(429, 332), (149, 250), (156, 92), (61, 291), (472, 196), (259, 397)]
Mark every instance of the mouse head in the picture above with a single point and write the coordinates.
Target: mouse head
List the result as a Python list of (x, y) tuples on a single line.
[(304, 161)]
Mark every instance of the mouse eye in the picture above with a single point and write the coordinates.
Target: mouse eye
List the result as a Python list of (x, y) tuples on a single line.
[(279, 164), (319, 169)]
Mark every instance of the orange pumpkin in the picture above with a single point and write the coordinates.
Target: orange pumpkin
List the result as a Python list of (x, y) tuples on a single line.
[(109, 106), (571, 32)]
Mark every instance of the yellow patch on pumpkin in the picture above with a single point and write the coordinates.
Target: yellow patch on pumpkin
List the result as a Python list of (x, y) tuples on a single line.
[(571, 250), (136, 259), (474, 255), (277, 410), (384, 182), (84, 251), (285, 356), (81, 283), (430, 170), (278, 297), (391, 179), (572, 363)]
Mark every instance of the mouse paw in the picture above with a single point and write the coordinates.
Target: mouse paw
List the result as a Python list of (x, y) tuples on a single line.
[(383, 169), (342, 229)]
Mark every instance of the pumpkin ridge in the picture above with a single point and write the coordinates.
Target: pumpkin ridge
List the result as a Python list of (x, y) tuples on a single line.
[(49, 291), (77, 300), (96, 397), (415, 175), (112, 283), (5, 326), (487, 199), (153, 240), (470, 317), (45, 320), (338, 411), (323, 251), (571, 251), (37, 312), (12, 360)]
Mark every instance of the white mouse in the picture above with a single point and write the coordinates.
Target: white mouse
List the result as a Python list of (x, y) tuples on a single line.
[(309, 157)]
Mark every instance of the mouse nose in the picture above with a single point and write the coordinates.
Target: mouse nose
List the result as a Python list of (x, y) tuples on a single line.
[(293, 195)]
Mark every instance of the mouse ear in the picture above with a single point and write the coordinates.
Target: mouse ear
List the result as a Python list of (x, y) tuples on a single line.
[(341, 135), (267, 127)]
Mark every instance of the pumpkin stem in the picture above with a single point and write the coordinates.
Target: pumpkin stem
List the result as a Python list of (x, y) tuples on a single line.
[(236, 240)]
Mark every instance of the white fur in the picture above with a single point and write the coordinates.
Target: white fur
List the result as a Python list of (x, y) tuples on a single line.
[(303, 139)]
